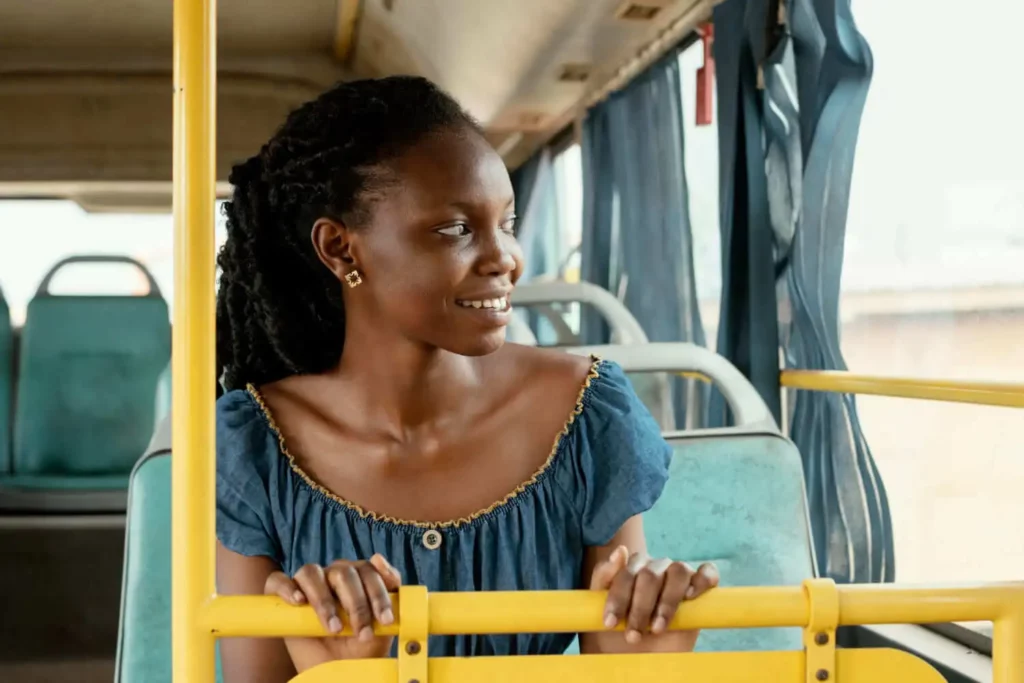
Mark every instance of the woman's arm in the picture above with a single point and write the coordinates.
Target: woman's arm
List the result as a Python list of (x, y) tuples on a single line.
[(250, 660), (643, 592), (268, 660), (360, 589)]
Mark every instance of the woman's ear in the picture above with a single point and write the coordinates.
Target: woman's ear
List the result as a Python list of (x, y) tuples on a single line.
[(333, 245)]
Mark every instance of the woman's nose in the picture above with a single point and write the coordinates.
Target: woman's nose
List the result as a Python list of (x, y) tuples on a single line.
[(498, 253)]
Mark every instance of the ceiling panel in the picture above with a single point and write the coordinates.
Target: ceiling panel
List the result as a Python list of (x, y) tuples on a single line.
[(503, 59)]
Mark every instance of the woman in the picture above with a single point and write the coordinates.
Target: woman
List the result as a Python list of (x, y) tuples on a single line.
[(379, 221)]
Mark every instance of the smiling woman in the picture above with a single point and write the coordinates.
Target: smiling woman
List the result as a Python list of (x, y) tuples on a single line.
[(363, 441)]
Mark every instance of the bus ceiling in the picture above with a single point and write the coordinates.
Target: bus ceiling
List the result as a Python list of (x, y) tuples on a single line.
[(84, 87)]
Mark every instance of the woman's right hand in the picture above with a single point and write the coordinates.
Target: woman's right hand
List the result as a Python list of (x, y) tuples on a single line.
[(360, 588)]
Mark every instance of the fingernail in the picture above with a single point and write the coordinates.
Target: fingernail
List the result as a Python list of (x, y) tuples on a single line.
[(633, 637), (298, 596), (387, 617), (690, 592), (610, 620), (366, 635), (334, 625), (659, 624)]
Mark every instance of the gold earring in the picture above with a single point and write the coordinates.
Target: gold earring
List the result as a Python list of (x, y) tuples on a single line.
[(353, 279)]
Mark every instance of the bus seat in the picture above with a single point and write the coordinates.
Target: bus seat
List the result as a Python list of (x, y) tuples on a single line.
[(6, 384), (144, 647), (737, 500), (735, 496), (162, 407), (144, 636), (654, 392), (88, 371)]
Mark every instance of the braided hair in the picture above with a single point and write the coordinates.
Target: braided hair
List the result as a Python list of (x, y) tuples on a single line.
[(279, 309)]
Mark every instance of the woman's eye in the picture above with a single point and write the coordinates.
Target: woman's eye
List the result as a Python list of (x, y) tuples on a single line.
[(509, 225), (459, 230)]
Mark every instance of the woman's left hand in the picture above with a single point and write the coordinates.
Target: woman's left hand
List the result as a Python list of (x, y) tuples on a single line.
[(646, 593)]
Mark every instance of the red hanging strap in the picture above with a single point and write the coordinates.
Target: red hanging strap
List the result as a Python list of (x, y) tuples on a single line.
[(706, 77)]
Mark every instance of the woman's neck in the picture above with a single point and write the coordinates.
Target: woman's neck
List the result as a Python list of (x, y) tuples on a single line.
[(402, 384)]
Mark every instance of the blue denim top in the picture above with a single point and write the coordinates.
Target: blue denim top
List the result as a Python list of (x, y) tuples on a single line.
[(608, 464)]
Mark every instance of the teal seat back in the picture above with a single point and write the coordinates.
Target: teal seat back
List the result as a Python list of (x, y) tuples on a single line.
[(88, 371), (6, 385), (144, 640), (653, 390), (739, 501), (163, 396), (144, 643)]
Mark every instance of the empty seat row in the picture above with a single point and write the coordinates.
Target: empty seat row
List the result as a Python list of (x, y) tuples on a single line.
[(87, 373)]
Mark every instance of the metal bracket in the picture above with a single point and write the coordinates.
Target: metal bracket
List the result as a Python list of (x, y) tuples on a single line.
[(820, 632), (413, 629)]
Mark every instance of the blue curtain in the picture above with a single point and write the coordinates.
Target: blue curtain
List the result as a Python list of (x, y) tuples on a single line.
[(790, 140), (748, 323), (538, 229), (824, 54), (636, 223)]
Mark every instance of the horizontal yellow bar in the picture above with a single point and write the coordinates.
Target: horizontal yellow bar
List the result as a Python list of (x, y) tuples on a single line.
[(581, 611), (852, 666), (979, 393)]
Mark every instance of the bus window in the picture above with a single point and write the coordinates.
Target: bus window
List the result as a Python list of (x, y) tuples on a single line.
[(700, 154), (933, 285)]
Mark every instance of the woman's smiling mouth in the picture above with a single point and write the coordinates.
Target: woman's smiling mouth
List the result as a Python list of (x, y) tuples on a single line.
[(495, 304)]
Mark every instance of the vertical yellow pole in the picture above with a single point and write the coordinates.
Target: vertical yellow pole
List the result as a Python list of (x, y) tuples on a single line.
[(1008, 649), (192, 482)]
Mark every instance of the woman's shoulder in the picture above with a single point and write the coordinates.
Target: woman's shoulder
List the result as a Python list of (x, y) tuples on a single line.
[(553, 366), (236, 410), (615, 461), (245, 439)]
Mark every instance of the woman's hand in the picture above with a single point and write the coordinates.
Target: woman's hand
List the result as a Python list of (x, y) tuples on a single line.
[(646, 593), (360, 589)]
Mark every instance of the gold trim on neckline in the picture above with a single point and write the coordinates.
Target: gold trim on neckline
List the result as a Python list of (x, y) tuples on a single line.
[(592, 374)]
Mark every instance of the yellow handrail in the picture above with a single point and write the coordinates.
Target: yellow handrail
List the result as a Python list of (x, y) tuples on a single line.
[(955, 391), (580, 611), (194, 373), (947, 390)]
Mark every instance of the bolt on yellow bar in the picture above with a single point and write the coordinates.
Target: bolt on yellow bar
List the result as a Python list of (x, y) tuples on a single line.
[(951, 391), (192, 483)]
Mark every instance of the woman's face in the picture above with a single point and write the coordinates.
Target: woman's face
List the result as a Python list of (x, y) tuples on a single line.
[(439, 257)]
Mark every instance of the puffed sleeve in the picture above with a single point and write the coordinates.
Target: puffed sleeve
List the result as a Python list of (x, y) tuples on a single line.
[(245, 521), (619, 459)]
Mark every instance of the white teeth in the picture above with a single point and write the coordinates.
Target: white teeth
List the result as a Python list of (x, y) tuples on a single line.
[(493, 304)]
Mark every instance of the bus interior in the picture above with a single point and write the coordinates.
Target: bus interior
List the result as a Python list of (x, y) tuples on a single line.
[(797, 224)]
